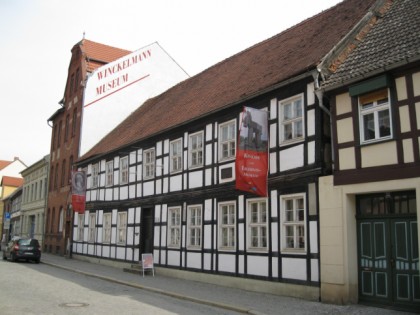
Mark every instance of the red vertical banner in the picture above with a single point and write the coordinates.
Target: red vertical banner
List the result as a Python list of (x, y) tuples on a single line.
[(78, 194), (252, 152)]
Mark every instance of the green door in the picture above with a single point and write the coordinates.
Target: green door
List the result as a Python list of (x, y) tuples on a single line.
[(388, 259)]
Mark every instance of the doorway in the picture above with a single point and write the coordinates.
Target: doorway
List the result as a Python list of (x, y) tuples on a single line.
[(146, 231), (388, 255)]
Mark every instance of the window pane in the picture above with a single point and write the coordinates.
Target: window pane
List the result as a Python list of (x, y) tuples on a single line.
[(288, 131), (384, 123), (369, 126), (287, 111), (298, 129)]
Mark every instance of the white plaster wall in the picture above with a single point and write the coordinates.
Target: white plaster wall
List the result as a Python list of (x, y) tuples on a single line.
[(175, 183), (313, 236), (294, 268), (195, 179), (194, 260), (207, 261), (173, 258), (311, 152), (257, 265), (291, 158), (120, 254), (148, 188), (226, 263), (310, 122)]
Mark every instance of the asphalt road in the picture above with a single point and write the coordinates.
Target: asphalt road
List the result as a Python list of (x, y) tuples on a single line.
[(29, 288)]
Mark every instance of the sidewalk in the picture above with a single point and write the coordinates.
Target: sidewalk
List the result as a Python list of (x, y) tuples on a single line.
[(242, 301)]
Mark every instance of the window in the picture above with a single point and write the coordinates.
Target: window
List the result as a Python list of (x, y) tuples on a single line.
[(92, 226), (176, 156), (124, 170), (227, 226), (291, 119), (149, 163), (196, 150), (106, 238), (59, 134), (63, 173), (121, 227), (95, 175), (257, 224), (375, 116), (293, 222), (77, 80), (61, 220), (56, 177), (109, 173), (194, 226), (74, 123), (66, 128), (227, 140), (70, 169), (81, 227), (174, 227)]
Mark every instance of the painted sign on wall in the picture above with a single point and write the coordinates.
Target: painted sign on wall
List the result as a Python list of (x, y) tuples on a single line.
[(116, 89)]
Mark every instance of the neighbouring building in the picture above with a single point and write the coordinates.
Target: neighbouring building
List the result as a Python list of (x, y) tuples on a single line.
[(34, 199), (370, 205), (163, 181), (8, 187), (66, 127), (13, 169)]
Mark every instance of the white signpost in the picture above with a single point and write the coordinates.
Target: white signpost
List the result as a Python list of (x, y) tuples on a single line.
[(116, 89)]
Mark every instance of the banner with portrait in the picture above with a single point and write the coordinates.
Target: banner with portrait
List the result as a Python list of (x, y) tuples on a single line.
[(78, 193), (252, 152)]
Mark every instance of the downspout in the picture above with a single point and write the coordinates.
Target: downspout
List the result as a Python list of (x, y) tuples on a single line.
[(320, 96)]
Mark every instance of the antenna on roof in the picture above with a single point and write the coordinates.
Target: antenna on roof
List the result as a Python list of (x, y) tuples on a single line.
[(84, 34)]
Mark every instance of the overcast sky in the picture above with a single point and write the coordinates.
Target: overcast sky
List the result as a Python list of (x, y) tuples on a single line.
[(37, 36)]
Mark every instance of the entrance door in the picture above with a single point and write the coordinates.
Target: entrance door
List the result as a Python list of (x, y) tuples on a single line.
[(388, 254), (146, 231)]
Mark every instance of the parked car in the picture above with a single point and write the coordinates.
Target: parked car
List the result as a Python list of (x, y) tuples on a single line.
[(23, 249)]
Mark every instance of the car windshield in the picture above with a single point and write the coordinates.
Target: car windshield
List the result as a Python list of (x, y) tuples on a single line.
[(27, 242)]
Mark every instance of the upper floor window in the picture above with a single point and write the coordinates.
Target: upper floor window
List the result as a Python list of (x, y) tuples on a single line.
[(59, 134), (174, 227), (227, 226), (74, 123), (124, 170), (149, 163), (121, 227), (66, 128), (375, 116), (95, 175), (291, 119), (194, 226), (176, 156), (293, 222), (257, 224), (63, 173), (227, 140), (196, 150), (109, 173)]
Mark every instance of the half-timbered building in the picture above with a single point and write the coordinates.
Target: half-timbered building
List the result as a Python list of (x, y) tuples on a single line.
[(163, 181), (369, 208)]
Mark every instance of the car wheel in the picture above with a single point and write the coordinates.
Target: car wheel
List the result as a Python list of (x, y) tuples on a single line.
[(13, 257), (4, 256), (37, 261)]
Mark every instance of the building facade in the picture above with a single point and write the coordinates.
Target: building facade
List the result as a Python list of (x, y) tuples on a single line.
[(34, 199), (11, 202), (369, 207), (163, 181)]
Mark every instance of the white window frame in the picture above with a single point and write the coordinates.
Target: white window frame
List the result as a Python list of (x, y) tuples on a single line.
[(227, 144), (176, 152), (124, 170), (95, 175), (149, 160), (294, 120), (257, 224), (109, 173), (194, 226), (122, 227), (80, 227), (374, 109), (227, 226), (290, 222), (92, 228), (106, 227), (174, 227), (196, 150)]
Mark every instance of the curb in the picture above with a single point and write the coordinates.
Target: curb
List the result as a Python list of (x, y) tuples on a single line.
[(159, 291)]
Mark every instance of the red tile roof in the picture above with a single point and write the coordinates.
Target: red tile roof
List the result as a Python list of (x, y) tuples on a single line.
[(254, 70), (12, 181), (3, 164), (99, 54)]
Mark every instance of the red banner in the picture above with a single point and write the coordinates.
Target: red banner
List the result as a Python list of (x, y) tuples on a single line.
[(252, 152), (78, 196)]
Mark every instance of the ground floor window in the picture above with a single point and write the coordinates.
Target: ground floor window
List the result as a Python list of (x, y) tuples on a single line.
[(293, 222), (174, 227), (80, 227), (121, 227), (227, 226), (106, 228), (194, 226)]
